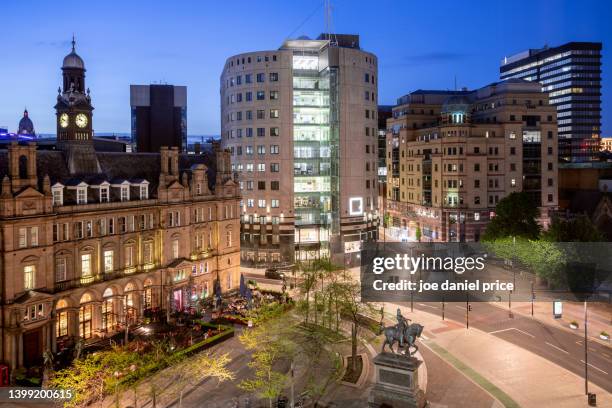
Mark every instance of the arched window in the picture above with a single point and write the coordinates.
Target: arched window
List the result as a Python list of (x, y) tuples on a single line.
[(108, 311), (61, 321), (23, 167), (86, 317)]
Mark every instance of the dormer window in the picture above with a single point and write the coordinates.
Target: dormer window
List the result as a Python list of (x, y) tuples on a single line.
[(199, 189), (144, 191), (58, 194), (104, 194), (82, 195), (125, 193)]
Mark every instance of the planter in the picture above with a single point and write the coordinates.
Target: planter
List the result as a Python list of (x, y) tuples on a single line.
[(573, 326), (605, 337)]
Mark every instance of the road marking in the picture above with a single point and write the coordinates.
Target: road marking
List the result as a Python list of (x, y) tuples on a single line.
[(424, 305), (460, 307), (591, 365), (579, 343), (513, 328), (560, 349)]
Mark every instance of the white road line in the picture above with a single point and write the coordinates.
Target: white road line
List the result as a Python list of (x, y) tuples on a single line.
[(560, 349), (591, 365), (460, 307), (513, 328), (424, 305)]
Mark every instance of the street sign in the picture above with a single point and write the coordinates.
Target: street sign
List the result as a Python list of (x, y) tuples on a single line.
[(557, 309)]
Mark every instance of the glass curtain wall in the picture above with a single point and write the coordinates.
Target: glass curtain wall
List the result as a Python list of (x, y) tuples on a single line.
[(312, 169)]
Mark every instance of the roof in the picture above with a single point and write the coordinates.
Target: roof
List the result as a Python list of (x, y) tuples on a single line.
[(114, 165)]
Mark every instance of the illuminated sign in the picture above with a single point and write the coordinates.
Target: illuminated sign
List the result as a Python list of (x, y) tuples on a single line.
[(356, 206), (557, 309)]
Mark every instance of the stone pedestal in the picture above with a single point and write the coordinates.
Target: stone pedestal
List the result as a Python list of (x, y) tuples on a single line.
[(397, 382)]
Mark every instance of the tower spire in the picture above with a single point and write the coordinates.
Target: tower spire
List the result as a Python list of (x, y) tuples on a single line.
[(73, 42)]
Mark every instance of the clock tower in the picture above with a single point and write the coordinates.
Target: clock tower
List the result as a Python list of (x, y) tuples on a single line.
[(73, 108), (74, 116)]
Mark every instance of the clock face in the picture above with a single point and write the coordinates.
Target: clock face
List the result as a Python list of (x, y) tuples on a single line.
[(81, 120), (63, 120)]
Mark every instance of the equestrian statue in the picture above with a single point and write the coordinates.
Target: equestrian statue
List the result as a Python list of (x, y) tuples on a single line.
[(404, 333)]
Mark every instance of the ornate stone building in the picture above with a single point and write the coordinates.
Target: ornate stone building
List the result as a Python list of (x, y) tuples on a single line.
[(452, 155), (90, 241)]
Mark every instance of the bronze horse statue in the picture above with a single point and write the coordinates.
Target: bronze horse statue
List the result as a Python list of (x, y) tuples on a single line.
[(411, 333)]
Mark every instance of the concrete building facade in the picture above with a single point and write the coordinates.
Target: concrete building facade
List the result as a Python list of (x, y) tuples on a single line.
[(452, 155), (301, 124)]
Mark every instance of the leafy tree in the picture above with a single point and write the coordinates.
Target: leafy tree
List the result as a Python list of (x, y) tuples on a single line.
[(269, 345), (515, 216), (198, 367), (418, 233), (579, 229), (353, 308)]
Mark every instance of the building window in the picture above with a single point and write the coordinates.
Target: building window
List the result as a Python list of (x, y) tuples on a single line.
[(108, 261), (60, 269), (513, 182), (23, 240), (104, 196), (229, 238), (261, 132), (144, 192), (274, 167), (274, 113), (61, 324), (175, 249), (129, 256), (125, 193), (275, 203), (148, 253), (273, 76), (86, 265), (261, 95), (58, 196), (273, 95), (29, 276), (82, 195)]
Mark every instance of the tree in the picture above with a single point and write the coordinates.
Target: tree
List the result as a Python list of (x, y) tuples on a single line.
[(418, 233), (269, 345), (515, 216), (353, 308), (309, 279), (196, 368), (579, 229)]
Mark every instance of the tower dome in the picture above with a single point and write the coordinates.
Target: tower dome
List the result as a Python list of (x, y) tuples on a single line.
[(26, 127), (456, 109), (73, 60)]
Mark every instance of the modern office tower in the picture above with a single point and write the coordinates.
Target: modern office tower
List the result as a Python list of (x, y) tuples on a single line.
[(384, 112), (89, 249), (159, 117), (571, 75), (301, 123), (452, 155)]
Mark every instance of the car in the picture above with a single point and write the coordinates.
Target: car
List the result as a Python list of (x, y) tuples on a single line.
[(273, 273)]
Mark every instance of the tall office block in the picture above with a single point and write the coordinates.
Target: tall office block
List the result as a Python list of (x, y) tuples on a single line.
[(301, 124), (571, 75), (159, 116)]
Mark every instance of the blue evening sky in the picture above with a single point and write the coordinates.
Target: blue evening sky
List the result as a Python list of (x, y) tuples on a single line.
[(420, 44)]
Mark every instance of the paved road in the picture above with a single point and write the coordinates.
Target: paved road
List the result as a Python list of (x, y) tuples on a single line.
[(556, 345)]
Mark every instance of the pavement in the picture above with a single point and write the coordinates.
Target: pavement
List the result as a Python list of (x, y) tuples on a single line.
[(512, 374)]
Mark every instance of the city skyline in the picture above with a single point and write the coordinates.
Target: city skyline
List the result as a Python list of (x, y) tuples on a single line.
[(465, 48)]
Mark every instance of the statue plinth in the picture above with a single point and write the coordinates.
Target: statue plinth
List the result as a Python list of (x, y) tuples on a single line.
[(397, 382)]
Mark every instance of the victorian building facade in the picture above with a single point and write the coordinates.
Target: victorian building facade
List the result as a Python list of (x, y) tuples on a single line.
[(91, 241)]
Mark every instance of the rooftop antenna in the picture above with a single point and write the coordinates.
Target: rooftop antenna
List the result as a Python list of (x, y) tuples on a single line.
[(328, 23)]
